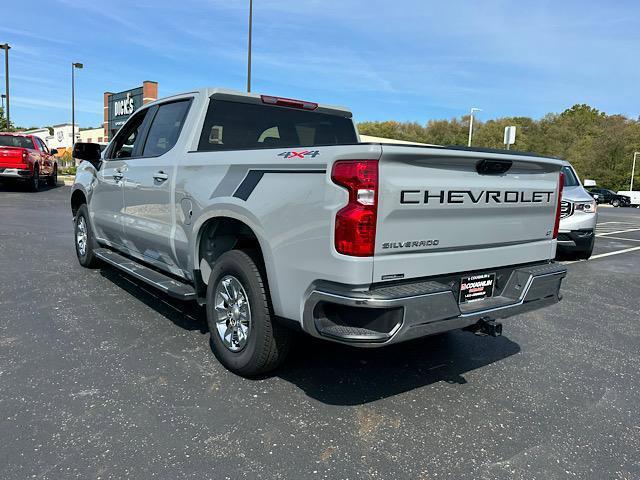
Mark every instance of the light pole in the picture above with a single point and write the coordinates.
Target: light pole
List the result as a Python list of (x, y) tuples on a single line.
[(633, 169), (249, 51), (6, 47), (73, 103), (473, 109), (3, 96)]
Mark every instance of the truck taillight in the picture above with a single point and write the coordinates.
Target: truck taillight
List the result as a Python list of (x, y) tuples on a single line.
[(25, 156), (556, 227), (355, 232)]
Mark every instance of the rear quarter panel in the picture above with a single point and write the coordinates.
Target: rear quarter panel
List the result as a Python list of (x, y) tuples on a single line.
[(291, 209)]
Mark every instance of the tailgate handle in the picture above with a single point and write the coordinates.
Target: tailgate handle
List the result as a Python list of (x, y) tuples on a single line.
[(493, 167)]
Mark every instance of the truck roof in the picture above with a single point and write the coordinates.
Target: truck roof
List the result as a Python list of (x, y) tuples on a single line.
[(236, 95), (17, 134)]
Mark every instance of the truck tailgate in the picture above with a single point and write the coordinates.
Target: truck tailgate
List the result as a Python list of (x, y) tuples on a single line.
[(11, 157), (446, 210)]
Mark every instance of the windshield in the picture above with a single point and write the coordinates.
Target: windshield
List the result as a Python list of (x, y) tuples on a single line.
[(15, 141), (570, 179)]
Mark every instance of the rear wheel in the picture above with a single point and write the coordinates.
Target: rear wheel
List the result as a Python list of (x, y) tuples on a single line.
[(52, 181), (615, 203), (244, 335), (34, 184), (85, 243)]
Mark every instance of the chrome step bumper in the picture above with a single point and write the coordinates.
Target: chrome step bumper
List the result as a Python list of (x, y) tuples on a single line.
[(390, 314)]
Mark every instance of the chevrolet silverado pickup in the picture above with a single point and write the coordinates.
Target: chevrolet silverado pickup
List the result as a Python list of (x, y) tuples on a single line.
[(27, 158), (271, 213)]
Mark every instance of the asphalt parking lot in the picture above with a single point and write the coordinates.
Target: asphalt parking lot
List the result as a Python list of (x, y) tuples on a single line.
[(101, 377)]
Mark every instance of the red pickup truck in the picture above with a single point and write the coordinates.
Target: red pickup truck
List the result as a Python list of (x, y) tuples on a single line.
[(27, 158)]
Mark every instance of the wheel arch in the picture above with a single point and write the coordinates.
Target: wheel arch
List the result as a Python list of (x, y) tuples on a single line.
[(78, 198), (216, 234)]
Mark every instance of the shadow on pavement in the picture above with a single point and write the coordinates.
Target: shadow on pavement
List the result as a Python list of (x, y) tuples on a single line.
[(187, 315), (23, 187), (336, 374), (341, 375)]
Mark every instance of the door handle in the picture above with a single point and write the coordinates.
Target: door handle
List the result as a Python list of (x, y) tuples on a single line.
[(117, 175), (160, 176)]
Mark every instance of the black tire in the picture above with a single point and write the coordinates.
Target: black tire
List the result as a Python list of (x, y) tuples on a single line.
[(586, 253), (615, 203), (52, 181), (267, 342), (34, 182), (87, 258)]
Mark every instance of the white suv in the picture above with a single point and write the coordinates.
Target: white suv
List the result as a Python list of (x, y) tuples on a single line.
[(578, 217)]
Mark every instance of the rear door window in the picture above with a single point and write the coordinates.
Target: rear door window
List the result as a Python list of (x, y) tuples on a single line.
[(236, 125), (166, 127)]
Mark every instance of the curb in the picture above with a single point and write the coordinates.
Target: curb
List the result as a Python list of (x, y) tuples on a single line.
[(66, 180)]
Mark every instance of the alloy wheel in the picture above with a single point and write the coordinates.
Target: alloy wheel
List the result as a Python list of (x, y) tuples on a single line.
[(232, 313), (81, 236)]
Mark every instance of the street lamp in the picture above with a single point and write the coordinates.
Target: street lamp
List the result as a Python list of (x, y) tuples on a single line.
[(73, 101), (249, 51), (473, 109), (6, 47), (633, 169)]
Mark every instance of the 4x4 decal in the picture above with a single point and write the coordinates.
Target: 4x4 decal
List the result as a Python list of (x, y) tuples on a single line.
[(306, 153)]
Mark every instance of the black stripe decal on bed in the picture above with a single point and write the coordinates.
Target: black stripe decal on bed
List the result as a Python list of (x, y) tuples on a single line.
[(253, 177)]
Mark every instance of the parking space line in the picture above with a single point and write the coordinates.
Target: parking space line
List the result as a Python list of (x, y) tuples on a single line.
[(617, 252), (601, 255), (626, 239), (617, 231)]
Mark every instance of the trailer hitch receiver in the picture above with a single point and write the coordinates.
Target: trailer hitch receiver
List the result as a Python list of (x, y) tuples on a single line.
[(486, 327)]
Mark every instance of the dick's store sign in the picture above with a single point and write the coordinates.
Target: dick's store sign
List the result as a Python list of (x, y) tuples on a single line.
[(121, 107)]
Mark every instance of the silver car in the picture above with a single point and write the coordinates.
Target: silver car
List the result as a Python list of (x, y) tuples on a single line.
[(578, 217)]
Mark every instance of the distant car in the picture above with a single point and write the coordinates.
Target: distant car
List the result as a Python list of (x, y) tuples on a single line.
[(578, 217), (604, 195), (27, 158), (634, 196)]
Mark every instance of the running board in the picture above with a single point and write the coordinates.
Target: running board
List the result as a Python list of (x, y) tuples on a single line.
[(170, 286)]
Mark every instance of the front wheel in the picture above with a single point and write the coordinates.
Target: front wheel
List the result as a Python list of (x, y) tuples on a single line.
[(85, 243), (245, 338), (616, 203)]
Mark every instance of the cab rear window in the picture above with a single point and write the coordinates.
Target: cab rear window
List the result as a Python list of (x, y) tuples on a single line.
[(235, 126), (15, 141)]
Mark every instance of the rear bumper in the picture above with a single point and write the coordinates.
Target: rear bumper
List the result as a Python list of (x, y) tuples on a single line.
[(15, 172), (391, 314)]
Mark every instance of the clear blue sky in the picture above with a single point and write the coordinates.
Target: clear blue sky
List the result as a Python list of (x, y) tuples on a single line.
[(403, 60)]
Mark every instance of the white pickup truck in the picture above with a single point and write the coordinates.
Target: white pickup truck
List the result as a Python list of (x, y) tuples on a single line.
[(273, 214)]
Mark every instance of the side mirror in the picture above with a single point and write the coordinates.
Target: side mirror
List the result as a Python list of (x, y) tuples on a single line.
[(54, 151), (89, 152)]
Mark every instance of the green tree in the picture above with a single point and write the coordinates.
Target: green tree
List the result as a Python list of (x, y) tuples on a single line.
[(3, 122), (599, 146)]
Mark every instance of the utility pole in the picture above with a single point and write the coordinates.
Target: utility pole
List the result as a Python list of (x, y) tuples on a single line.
[(473, 109), (249, 52), (633, 169), (6, 47), (73, 102)]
